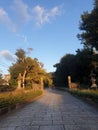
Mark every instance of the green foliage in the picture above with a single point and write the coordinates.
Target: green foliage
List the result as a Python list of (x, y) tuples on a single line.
[(1, 80), (48, 80), (31, 71), (12, 98), (4, 88), (20, 53), (86, 94), (78, 66), (84, 65), (89, 27), (64, 68)]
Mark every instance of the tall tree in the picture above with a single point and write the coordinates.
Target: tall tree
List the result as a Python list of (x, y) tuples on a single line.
[(89, 26), (77, 66), (84, 65), (67, 66), (29, 70)]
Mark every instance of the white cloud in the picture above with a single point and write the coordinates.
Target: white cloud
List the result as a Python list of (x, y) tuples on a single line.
[(23, 14), (25, 39), (55, 11), (4, 18), (22, 10), (7, 55), (40, 14), (43, 15)]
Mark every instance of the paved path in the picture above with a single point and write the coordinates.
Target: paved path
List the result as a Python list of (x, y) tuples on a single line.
[(54, 111)]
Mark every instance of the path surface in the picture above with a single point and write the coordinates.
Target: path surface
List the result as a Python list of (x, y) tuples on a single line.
[(56, 110)]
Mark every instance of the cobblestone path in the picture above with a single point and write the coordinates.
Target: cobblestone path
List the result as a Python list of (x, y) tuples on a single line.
[(55, 110)]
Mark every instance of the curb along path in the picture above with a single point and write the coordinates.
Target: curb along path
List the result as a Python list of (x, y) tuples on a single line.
[(56, 110)]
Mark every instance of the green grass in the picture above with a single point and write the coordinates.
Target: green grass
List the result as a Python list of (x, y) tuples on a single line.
[(18, 97), (86, 94)]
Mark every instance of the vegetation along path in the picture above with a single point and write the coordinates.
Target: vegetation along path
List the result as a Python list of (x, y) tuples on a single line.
[(56, 110)]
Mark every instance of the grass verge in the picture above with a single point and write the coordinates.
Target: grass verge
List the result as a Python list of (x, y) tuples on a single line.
[(9, 99), (87, 95)]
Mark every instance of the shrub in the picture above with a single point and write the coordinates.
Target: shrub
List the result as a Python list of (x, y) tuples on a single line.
[(19, 97), (4, 88)]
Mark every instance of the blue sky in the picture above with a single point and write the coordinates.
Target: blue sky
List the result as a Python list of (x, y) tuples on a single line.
[(48, 26)]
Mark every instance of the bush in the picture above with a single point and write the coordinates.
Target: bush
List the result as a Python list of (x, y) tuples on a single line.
[(4, 88), (19, 97)]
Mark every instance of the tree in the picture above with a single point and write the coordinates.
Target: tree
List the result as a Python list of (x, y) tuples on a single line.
[(80, 65), (30, 70), (48, 80), (77, 66), (1, 79), (21, 54), (89, 35), (84, 65), (89, 26), (96, 3), (67, 66)]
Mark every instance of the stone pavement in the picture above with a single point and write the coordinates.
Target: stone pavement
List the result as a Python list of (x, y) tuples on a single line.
[(56, 110)]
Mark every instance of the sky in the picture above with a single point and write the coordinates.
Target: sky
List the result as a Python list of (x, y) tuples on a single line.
[(49, 27)]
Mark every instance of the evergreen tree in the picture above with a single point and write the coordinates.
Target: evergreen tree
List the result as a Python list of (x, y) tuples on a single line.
[(89, 28)]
